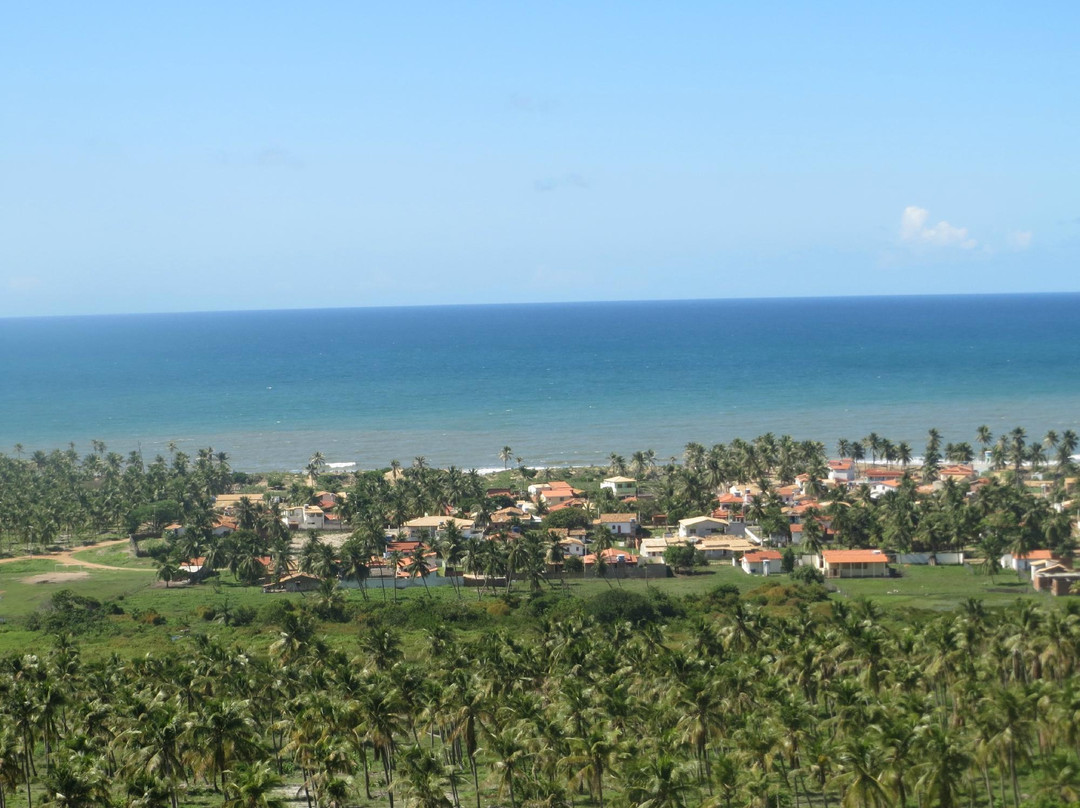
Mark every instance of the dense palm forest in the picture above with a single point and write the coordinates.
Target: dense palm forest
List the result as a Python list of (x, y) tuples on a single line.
[(778, 698)]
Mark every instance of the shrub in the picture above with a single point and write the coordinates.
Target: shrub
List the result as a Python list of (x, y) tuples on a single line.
[(619, 605), (273, 613), (721, 597), (152, 618), (68, 612), (206, 613), (243, 615)]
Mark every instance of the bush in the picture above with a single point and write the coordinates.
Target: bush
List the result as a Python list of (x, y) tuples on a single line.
[(152, 618), (68, 612), (664, 605), (206, 613), (273, 613), (723, 596), (619, 605), (243, 615)]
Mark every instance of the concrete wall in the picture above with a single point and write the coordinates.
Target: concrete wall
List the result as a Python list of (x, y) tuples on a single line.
[(942, 559)]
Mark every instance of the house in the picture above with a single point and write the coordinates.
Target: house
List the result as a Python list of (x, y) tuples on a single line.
[(701, 526), (612, 555), (621, 524), (854, 564), (573, 547), (842, 471), (554, 493), (760, 562), (787, 493), (721, 548), (883, 487), (505, 516), (304, 517), (425, 526), (1023, 563), (655, 546), (298, 582), (959, 473), (880, 475), (620, 486)]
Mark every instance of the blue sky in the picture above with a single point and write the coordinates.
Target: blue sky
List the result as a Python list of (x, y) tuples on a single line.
[(171, 157)]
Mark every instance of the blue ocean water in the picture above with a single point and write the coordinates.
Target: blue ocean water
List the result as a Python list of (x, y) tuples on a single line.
[(559, 383)]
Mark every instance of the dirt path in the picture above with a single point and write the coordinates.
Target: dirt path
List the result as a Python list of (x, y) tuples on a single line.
[(67, 558)]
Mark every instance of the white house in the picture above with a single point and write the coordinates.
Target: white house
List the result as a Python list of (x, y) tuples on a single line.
[(573, 547), (304, 517), (425, 526), (854, 564), (842, 471), (760, 562), (721, 548), (621, 524), (701, 526), (620, 486), (1023, 563), (654, 547)]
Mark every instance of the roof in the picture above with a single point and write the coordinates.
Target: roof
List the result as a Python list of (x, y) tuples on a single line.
[(612, 555), (754, 556), (619, 480), (724, 499), (697, 520), (840, 465), (617, 517), (854, 557), (879, 472), (1037, 555), (438, 521)]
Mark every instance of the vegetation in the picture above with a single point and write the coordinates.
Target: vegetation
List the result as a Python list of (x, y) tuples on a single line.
[(940, 688)]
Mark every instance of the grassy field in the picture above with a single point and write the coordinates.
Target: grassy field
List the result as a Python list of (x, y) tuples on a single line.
[(153, 617)]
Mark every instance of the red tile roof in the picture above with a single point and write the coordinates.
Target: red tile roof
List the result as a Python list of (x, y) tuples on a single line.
[(754, 556), (854, 557)]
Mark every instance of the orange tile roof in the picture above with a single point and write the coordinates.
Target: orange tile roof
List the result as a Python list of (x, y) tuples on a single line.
[(755, 556), (854, 557), (1038, 555)]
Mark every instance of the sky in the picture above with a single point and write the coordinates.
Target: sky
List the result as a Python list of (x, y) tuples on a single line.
[(218, 156)]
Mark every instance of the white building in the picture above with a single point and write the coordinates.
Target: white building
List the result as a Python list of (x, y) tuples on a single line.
[(700, 526), (620, 486)]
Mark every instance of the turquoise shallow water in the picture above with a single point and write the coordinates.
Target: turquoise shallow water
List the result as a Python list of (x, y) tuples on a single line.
[(560, 383)]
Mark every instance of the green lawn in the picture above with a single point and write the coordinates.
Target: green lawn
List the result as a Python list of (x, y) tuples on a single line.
[(19, 595), (940, 588), (140, 597)]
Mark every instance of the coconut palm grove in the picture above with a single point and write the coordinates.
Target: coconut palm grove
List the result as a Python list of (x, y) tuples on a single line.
[(130, 675)]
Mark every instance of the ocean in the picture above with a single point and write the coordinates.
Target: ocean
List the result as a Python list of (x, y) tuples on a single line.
[(561, 384)]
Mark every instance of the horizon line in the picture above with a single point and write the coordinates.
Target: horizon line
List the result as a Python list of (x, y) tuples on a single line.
[(776, 298)]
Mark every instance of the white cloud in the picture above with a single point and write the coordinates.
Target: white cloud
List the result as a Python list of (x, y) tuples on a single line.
[(1020, 239), (913, 230)]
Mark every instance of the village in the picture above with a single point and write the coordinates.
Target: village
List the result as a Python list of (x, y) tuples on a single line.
[(612, 532)]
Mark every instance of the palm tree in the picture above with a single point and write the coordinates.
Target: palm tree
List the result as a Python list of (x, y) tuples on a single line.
[(254, 786), (222, 733), (504, 455), (661, 783)]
